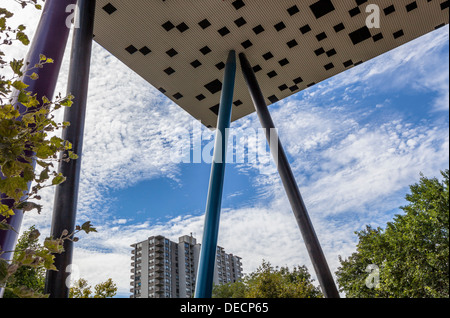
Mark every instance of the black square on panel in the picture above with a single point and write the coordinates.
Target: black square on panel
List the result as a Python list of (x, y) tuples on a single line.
[(169, 71), (319, 51), (293, 10), (321, 8), (283, 87), (238, 103), (280, 26), (360, 2), (284, 62), (294, 88), (238, 4), (377, 37), (354, 11), (246, 44), (360, 35), (205, 50), (215, 109), (305, 29), (268, 56), (109, 8), (258, 29), (257, 68), (200, 97), (398, 34), (172, 52), (389, 10), (272, 74), (214, 86), (220, 66), (411, 6), (292, 43), (162, 90), (182, 27), (204, 24), (444, 5), (178, 96), (145, 50), (224, 31), (329, 66), (131, 49), (168, 26), (240, 22), (298, 80), (321, 36), (348, 63), (196, 64), (331, 52), (339, 27), (273, 99)]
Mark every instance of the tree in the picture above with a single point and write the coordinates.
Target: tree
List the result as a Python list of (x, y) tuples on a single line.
[(410, 257), (81, 289), (28, 138), (31, 277), (270, 282)]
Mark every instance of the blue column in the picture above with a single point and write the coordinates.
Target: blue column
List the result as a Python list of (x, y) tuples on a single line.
[(205, 273)]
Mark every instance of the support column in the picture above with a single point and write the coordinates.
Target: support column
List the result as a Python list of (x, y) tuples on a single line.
[(66, 194), (206, 266), (290, 185), (50, 39)]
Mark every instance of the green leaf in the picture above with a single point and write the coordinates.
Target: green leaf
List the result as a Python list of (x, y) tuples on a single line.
[(53, 246), (16, 66), (58, 179)]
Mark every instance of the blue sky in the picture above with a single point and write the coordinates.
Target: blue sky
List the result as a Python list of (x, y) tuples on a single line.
[(355, 142)]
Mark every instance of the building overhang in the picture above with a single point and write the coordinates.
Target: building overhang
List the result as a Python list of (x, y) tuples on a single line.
[(180, 46)]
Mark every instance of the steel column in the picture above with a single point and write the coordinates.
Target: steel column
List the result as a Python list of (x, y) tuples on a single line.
[(290, 185), (205, 272), (50, 39), (66, 194)]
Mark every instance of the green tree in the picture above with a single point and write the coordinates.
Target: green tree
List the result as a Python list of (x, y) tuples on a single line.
[(28, 137), (271, 282), (411, 253), (81, 289), (31, 277)]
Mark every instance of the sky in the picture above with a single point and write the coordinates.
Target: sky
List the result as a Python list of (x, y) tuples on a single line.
[(355, 142)]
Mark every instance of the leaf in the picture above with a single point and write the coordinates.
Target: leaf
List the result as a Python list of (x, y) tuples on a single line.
[(58, 179), (19, 85), (16, 66), (28, 206), (87, 227), (53, 245), (4, 226)]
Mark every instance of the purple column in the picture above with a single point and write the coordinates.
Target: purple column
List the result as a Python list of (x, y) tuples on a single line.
[(50, 39)]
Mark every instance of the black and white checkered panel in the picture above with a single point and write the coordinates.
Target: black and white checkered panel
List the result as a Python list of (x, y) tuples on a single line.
[(180, 46)]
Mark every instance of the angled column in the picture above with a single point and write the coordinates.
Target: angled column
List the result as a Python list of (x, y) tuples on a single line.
[(290, 185), (205, 272), (66, 194), (50, 39)]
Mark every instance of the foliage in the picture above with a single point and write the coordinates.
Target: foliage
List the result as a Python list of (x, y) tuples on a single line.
[(270, 282), (412, 252), (81, 289), (28, 137), (31, 277)]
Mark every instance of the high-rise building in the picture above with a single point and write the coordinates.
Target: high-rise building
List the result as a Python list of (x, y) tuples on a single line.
[(164, 269)]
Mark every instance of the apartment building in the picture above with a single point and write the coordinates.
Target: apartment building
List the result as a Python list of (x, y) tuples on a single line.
[(164, 269)]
